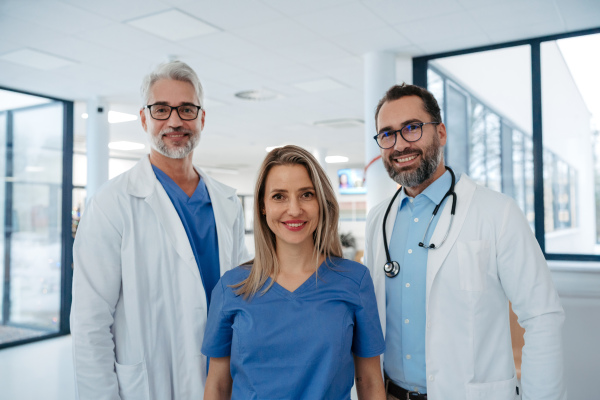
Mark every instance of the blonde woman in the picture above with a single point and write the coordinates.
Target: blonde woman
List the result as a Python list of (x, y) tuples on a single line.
[(297, 322)]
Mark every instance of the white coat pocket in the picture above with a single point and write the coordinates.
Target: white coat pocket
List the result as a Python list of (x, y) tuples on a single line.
[(472, 259), (133, 381), (500, 390)]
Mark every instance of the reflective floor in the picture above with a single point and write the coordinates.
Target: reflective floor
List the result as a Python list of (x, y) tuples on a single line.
[(38, 371), (12, 334)]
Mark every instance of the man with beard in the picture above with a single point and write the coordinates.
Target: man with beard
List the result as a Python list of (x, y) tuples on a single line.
[(151, 246), (458, 253)]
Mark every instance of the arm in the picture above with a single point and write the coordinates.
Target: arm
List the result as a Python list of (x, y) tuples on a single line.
[(218, 382), (369, 382), (528, 285), (96, 287)]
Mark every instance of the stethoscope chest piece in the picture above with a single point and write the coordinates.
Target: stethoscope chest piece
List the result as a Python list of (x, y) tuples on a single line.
[(391, 269)]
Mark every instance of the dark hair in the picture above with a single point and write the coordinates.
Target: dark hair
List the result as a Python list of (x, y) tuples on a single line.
[(398, 91)]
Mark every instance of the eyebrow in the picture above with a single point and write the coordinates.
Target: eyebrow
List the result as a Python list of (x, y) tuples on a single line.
[(407, 122), (165, 103), (285, 190)]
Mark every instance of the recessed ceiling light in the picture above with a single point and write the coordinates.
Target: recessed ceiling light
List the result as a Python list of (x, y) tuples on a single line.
[(336, 159), (115, 117), (84, 116), (36, 59), (261, 94), (126, 146), (341, 123), (319, 85), (173, 25)]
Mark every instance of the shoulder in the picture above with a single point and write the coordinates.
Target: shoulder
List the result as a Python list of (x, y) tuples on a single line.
[(487, 200), (235, 275), (347, 270)]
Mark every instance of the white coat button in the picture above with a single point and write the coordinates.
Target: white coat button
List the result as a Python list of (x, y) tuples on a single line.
[(431, 378), (409, 251), (406, 321), (408, 285), (408, 357), (416, 219)]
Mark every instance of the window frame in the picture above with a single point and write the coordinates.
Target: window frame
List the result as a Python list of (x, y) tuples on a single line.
[(420, 67)]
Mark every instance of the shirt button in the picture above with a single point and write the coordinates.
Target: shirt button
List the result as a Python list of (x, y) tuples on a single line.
[(416, 389), (408, 357), (411, 200), (409, 251), (431, 378), (406, 321), (416, 219), (408, 285)]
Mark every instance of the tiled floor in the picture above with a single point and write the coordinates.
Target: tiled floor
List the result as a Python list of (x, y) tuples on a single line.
[(38, 371)]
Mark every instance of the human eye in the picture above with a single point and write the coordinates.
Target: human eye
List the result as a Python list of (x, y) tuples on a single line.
[(411, 128), (308, 195), (187, 110), (160, 109), (277, 197)]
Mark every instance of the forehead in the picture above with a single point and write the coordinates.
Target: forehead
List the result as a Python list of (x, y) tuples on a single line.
[(403, 109), (173, 92), (288, 177)]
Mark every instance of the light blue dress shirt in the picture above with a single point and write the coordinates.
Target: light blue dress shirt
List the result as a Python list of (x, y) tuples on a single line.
[(404, 358)]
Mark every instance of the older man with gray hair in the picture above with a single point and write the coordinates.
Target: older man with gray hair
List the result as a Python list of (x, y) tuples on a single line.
[(151, 245)]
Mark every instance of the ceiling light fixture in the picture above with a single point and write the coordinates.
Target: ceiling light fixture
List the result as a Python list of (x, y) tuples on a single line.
[(173, 25), (84, 116), (115, 117), (340, 123), (336, 159), (258, 95), (126, 146)]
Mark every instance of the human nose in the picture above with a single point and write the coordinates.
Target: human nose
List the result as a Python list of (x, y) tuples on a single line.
[(401, 143), (174, 119), (294, 207)]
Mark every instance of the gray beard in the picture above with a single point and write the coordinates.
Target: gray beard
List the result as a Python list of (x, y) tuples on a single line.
[(429, 164), (177, 152)]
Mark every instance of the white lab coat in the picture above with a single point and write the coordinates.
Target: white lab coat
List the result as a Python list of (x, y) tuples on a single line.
[(489, 258), (139, 308)]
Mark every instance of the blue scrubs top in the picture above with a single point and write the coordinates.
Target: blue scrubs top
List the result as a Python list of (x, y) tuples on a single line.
[(198, 219), (296, 345), (404, 358)]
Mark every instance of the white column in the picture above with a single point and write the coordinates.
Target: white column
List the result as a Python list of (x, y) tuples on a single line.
[(97, 137), (380, 75)]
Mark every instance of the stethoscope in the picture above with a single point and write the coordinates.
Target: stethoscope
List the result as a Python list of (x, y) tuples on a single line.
[(392, 268)]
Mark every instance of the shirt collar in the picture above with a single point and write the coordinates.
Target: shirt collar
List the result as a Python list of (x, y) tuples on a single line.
[(434, 192)]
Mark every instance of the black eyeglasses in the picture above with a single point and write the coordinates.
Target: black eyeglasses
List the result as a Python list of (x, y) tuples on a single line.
[(410, 133), (163, 112)]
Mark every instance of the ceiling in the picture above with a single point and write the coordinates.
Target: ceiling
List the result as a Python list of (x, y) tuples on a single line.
[(97, 48)]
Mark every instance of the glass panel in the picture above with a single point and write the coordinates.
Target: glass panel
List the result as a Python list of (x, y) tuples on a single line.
[(570, 115), (487, 108), (31, 196)]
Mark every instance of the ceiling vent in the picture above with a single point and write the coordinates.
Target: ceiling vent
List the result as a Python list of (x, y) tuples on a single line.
[(341, 123), (258, 95)]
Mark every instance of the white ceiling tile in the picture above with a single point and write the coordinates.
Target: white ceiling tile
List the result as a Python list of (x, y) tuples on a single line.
[(55, 15), (454, 43), (172, 25), (581, 14), (309, 53), (119, 10), (260, 62), (524, 32), (364, 41), (26, 33), (446, 27), (515, 14), (292, 8), (36, 59), (319, 85), (122, 37), (338, 20), (273, 35), (396, 11), (231, 14), (220, 44)]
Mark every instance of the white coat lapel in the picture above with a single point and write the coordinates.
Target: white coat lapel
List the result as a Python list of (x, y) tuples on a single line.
[(465, 188), (143, 183), (225, 209)]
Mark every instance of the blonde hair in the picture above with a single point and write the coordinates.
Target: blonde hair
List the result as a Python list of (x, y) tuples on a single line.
[(326, 238)]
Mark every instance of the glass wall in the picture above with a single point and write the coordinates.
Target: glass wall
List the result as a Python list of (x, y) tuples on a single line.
[(523, 119), (31, 164)]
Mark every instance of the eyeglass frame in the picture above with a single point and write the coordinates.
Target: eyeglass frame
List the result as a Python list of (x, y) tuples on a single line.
[(399, 131), (148, 106)]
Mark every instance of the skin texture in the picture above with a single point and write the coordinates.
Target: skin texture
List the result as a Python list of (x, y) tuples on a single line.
[(169, 132), (290, 198), (406, 157)]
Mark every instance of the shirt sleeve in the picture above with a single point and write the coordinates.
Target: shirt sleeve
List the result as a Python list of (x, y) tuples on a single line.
[(219, 331), (368, 337)]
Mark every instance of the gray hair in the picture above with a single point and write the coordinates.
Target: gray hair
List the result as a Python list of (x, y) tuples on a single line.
[(176, 70)]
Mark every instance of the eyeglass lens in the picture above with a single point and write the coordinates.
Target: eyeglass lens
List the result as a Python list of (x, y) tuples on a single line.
[(164, 112)]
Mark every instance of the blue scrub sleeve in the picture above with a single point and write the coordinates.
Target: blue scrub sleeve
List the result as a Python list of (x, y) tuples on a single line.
[(368, 338), (218, 334)]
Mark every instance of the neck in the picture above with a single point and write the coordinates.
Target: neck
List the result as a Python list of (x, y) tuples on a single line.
[(180, 170), (297, 259), (416, 190)]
